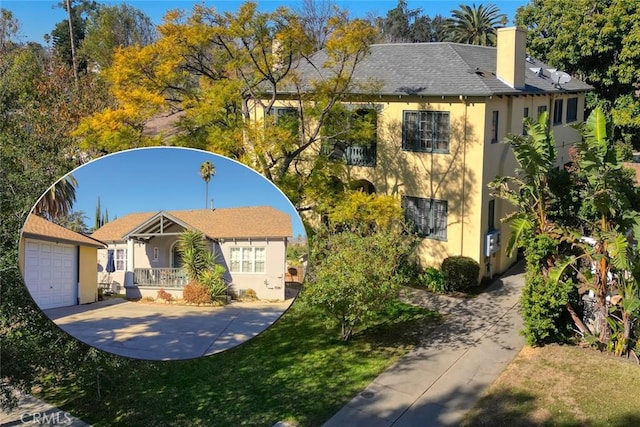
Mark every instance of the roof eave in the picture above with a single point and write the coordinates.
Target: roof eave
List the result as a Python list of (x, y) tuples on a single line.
[(98, 244)]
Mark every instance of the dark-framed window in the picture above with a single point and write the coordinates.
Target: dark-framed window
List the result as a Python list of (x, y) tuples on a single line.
[(525, 114), (428, 217), (425, 131), (286, 117), (572, 110), (558, 110), (492, 215), (541, 109), (495, 116)]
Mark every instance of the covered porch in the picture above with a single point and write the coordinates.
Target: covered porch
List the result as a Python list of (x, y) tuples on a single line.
[(160, 277)]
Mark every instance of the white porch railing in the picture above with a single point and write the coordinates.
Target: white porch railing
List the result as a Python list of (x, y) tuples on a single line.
[(160, 277)]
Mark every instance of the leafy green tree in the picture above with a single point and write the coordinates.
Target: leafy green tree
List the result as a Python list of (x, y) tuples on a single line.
[(354, 275), (35, 151), (396, 26), (8, 28), (109, 28), (75, 221), (404, 25), (61, 34), (598, 42), (207, 170), (475, 24)]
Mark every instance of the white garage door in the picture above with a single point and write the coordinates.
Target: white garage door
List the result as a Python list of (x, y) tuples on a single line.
[(50, 272)]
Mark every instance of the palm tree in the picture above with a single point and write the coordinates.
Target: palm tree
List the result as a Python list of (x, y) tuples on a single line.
[(207, 170), (475, 25), (58, 200)]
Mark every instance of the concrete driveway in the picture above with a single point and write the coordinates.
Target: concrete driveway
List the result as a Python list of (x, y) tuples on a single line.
[(165, 332)]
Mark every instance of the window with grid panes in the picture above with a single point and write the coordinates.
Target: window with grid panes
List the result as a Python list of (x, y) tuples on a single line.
[(428, 217), (247, 260), (425, 131)]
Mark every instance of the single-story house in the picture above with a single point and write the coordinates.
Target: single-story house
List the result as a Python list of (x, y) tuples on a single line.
[(58, 264), (143, 254)]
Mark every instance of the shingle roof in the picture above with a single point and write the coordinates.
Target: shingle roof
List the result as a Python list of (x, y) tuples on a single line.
[(38, 227), (438, 69), (241, 222)]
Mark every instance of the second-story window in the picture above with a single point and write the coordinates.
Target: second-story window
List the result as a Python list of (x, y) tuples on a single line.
[(425, 131), (287, 118), (494, 127), (572, 110), (558, 111), (351, 135)]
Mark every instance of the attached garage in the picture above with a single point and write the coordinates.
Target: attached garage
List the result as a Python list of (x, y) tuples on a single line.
[(58, 265)]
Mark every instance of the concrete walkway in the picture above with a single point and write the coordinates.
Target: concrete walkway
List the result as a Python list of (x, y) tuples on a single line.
[(439, 382), (32, 411)]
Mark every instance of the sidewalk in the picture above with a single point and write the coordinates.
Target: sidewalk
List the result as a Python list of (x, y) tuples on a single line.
[(439, 382), (32, 411)]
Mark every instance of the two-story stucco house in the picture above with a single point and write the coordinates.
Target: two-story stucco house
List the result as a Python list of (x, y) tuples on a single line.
[(442, 111), (143, 256)]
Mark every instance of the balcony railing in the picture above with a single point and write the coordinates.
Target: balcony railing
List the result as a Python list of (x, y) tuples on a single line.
[(354, 155), (160, 277), (361, 155)]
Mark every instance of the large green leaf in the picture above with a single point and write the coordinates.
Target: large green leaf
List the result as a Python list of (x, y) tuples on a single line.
[(519, 226), (556, 272)]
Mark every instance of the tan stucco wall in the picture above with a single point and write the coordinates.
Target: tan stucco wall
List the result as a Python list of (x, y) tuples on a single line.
[(268, 285), (453, 176), (87, 280), (461, 176)]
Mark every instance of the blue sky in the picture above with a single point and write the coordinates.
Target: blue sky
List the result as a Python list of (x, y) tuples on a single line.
[(168, 178), (38, 17)]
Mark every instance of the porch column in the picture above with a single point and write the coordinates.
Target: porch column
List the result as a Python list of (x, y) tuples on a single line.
[(128, 275)]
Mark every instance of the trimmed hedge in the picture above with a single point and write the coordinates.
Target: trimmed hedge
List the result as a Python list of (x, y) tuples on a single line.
[(460, 273)]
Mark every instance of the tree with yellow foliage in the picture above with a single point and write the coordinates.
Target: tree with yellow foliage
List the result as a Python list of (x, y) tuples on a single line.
[(233, 79)]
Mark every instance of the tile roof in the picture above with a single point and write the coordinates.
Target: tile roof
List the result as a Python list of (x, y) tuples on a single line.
[(438, 69), (241, 222), (38, 227)]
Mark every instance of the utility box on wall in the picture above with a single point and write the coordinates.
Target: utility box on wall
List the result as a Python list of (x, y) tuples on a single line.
[(492, 243)]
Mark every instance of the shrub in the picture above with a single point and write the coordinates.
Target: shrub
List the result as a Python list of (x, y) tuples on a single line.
[(250, 294), (460, 273), (196, 293), (543, 310), (213, 281), (433, 279), (162, 294)]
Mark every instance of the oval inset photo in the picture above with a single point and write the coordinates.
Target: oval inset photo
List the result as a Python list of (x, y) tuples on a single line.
[(163, 253)]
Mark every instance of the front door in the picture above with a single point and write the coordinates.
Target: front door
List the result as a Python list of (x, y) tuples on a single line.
[(176, 257)]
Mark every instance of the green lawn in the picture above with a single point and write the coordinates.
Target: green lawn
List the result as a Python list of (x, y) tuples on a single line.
[(562, 386), (296, 371)]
